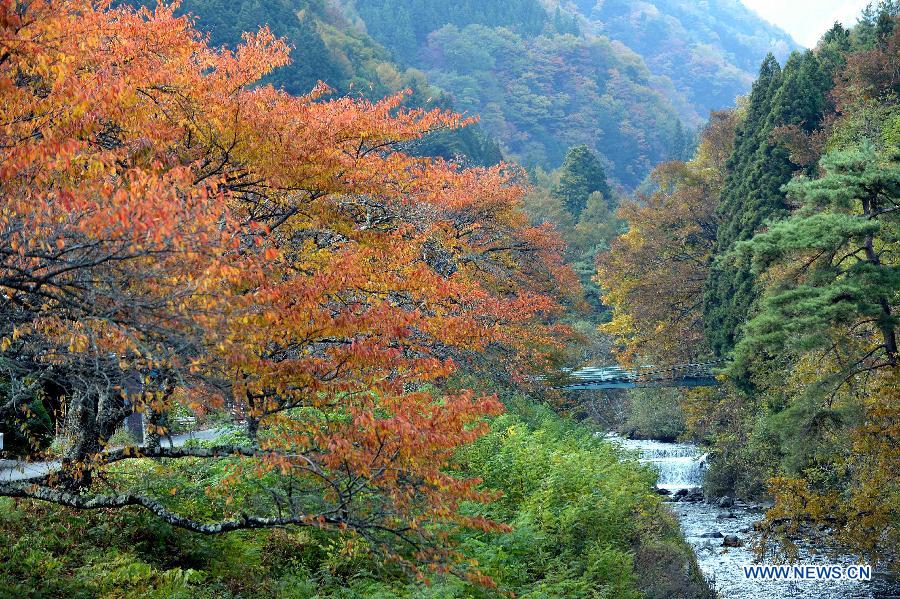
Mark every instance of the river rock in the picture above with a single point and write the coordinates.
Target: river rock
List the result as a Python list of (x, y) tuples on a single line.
[(727, 515), (663, 491), (726, 502), (711, 535), (681, 493), (732, 541)]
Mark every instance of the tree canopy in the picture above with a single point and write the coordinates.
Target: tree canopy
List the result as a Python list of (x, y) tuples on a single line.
[(175, 234)]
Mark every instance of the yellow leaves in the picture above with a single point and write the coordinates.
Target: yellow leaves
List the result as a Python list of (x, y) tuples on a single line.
[(858, 493)]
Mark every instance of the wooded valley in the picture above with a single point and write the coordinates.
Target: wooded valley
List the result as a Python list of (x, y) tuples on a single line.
[(292, 294)]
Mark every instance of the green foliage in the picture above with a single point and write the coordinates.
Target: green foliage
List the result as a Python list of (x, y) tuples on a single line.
[(580, 184), (542, 95), (585, 523), (876, 23), (581, 175), (29, 430), (538, 86), (404, 25), (757, 170), (836, 241), (709, 51), (654, 414)]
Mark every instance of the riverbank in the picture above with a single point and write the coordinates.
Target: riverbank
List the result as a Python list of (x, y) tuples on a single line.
[(710, 527)]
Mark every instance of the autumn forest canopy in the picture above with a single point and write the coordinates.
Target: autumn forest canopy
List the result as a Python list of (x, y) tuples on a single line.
[(357, 244)]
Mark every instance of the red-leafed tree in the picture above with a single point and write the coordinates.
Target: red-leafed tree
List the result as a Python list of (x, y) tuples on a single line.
[(171, 232)]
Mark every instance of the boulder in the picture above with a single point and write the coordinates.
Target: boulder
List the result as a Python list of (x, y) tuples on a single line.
[(711, 535), (663, 491), (732, 541), (726, 502)]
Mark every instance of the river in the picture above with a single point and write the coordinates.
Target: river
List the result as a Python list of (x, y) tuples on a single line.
[(681, 467)]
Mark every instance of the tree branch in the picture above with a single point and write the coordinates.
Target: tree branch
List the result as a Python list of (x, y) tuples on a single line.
[(93, 502)]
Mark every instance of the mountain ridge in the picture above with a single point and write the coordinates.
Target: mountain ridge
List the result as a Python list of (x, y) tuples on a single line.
[(542, 75)]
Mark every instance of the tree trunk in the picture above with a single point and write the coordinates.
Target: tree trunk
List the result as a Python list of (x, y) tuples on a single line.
[(81, 428), (885, 320), (253, 430)]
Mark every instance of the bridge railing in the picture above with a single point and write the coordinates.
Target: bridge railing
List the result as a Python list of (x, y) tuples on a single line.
[(648, 375)]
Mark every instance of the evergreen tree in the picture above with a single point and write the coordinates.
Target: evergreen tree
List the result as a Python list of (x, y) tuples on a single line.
[(595, 229), (581, 175), (876, 23), (753, 195), (836, 250), (727, 282), (834, 47), (684, 143)]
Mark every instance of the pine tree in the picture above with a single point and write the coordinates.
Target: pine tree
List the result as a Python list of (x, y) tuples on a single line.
[(581, 175), (833, 48), (836, 253)]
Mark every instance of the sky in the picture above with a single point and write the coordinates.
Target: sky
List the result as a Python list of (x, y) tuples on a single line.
[(807, 20)]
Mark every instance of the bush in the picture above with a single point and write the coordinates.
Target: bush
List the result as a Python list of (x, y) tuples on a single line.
[(28, 433), (585, 523), (654, 414)]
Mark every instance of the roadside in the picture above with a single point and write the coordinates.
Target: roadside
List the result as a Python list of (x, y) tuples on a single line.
[(17, 470)]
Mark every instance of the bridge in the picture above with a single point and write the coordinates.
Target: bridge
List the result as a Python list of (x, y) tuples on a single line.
[(615, 377)]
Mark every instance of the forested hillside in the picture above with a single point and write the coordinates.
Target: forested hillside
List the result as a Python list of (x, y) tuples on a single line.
[(542, 79), (627, 79), (325, 47), (775, 248), (708, 50)]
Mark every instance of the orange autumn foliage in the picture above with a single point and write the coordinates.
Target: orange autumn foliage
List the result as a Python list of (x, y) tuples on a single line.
[(173, 231)]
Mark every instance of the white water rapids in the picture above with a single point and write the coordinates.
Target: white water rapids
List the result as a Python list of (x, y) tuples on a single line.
[(681, 466)]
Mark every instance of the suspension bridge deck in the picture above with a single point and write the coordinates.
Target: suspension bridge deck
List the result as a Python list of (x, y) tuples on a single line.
[(615, 377)]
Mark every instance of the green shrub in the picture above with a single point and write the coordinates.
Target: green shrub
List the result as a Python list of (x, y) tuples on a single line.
[(30, 432), (654, 414), (585, 523)]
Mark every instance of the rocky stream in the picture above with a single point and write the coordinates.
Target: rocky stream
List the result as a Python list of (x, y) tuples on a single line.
[(721, 534)]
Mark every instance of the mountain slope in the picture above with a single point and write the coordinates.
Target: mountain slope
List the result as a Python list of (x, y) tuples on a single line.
[(617, 75), (709, 49), (625, 78), (327, 47)]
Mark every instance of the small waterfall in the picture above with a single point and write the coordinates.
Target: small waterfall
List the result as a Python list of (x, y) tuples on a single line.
[(680, 465)]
